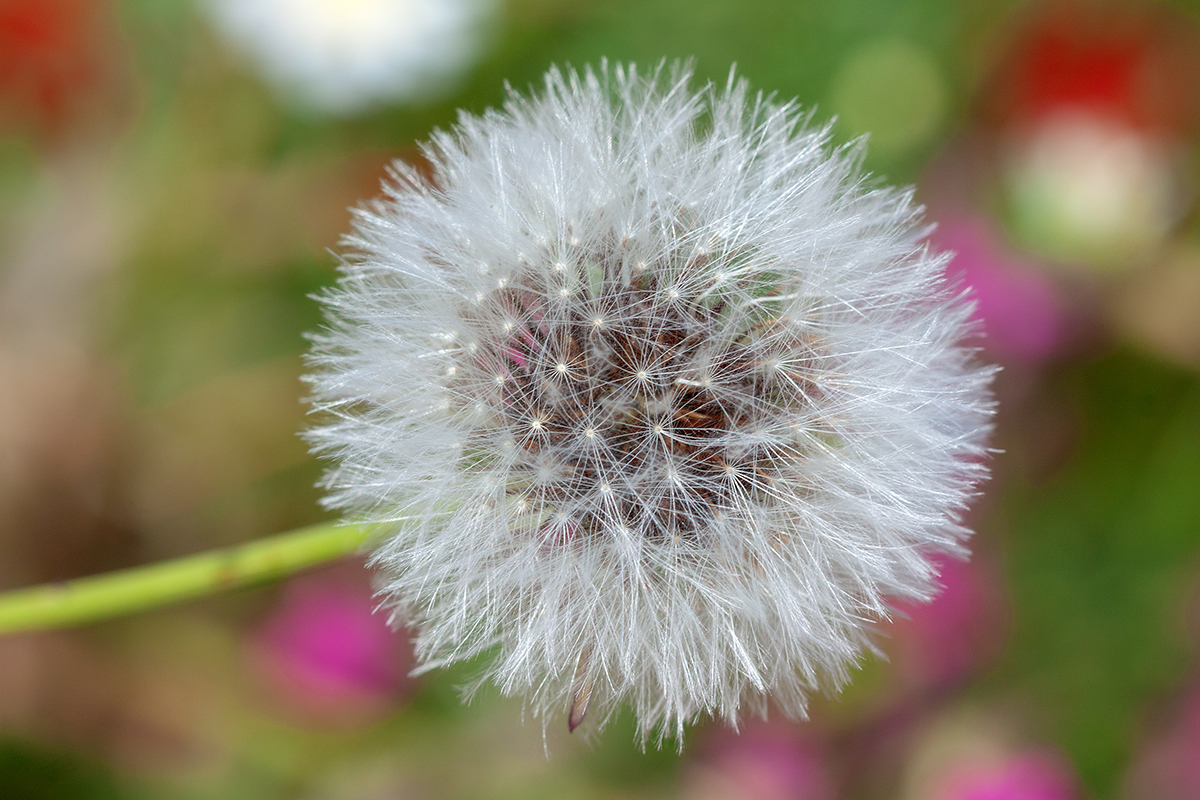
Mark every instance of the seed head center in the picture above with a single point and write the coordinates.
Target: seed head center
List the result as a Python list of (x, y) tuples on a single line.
[(633, 392)]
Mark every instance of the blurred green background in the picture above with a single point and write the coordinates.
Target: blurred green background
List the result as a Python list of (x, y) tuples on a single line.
[(174, 175)]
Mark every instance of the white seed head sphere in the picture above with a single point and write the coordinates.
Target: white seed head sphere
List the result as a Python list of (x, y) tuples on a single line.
[(665, 399)]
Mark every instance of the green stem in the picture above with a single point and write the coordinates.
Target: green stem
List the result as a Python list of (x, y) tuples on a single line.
[(127, 591)]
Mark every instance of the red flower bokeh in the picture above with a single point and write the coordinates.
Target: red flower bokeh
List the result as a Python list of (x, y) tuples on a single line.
[(53, 59)]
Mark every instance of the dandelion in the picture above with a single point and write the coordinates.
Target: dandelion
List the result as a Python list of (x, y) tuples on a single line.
[(668, 398)]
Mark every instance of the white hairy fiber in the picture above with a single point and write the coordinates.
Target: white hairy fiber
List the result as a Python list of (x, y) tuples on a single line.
[(665, 399)]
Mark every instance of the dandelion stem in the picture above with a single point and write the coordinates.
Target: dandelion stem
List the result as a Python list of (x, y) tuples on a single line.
[(75, 602)]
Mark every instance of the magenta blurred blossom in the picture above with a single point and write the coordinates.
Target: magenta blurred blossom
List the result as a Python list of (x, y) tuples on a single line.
[(766, 761), (1168, 768), (325, 643), (1021, 315), (1188, 745), (1034, 775), (943, 641)]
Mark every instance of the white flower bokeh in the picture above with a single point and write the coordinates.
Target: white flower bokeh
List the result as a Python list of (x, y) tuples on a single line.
[(344, 56), (664, 399)]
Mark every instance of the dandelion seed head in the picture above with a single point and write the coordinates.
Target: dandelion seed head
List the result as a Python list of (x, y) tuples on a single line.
[(714, 412)]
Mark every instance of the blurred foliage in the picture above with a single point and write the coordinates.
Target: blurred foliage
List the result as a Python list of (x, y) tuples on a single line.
[(1102, 558), (30, 773)]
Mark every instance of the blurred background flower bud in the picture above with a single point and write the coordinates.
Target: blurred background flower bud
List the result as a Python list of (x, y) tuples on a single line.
[(762, 761), (1022, 316), (982, 755), (1092, 103), (1032, 775), (344, 56), (325, 652), (57, 61), (1167, 767), (943, 642)]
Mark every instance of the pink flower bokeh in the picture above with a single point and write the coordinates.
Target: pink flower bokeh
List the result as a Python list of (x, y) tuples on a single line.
[(765, 761), (942, 642), (1036, 775), (326, 651), (1168, 766), (1022, 317)]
